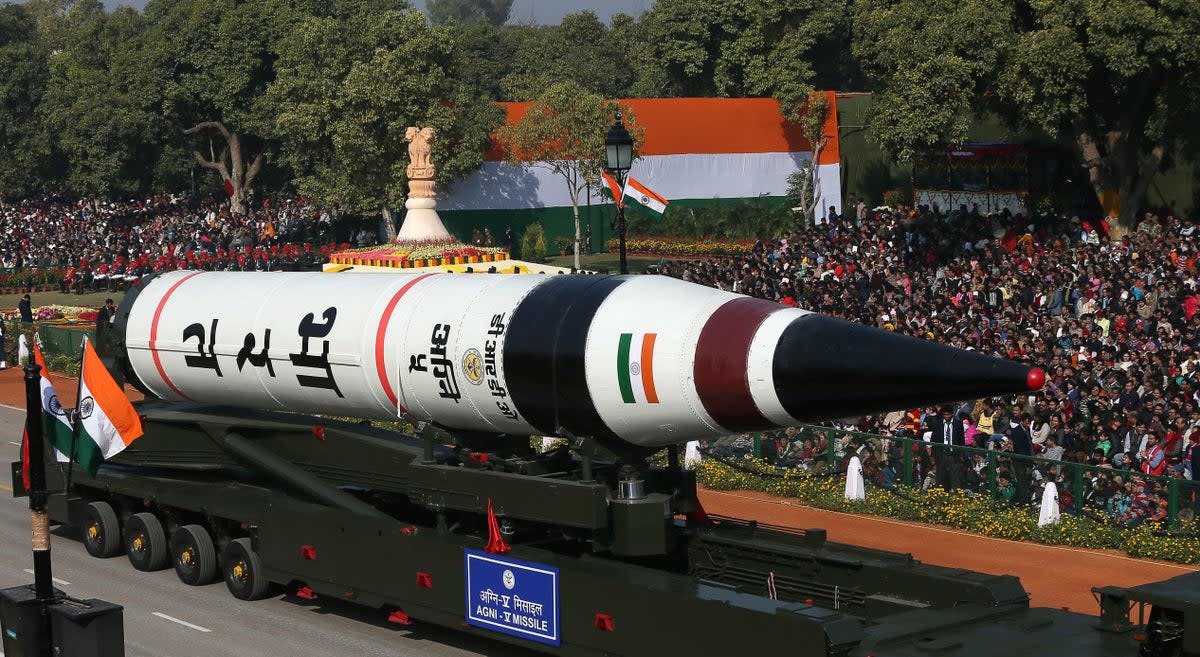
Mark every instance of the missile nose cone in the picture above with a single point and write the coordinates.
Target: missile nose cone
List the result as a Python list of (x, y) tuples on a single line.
[(1035, 379), (826, 368)]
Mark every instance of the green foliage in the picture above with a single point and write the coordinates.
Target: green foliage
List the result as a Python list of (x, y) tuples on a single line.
[(24, 144), (563, 132), (341, 117), (581, 49), (746, 219), (214, 58), (894, 198), (62, 364), (533, 243), (100, 103), (485, 54), (737, 48), (29, 278), (492, 12), (563, 244), (1119, 79)]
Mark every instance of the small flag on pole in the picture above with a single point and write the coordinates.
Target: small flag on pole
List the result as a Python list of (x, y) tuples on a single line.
[(55, 427), (614, 188), (639, 195), (105, 420)]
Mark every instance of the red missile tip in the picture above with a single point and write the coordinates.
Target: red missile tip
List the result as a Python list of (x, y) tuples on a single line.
[(1035, 379)]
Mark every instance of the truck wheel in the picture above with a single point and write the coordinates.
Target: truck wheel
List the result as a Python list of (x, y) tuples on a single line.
[(145, 542), (102, 533), (243, 571), (194, 556)]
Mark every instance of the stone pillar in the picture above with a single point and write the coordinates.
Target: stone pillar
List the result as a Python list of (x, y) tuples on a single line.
[(421, 221)]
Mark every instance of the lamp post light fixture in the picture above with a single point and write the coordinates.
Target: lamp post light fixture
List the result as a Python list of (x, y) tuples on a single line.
[(618, 156)]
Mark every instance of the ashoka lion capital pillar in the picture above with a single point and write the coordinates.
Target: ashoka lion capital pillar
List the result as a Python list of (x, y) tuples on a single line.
[(421, 222)]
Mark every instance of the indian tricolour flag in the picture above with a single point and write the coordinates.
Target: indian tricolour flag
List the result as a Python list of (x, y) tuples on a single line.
[(612, 186), (635, 368), (637, 194), (107, 422), (56, 430)]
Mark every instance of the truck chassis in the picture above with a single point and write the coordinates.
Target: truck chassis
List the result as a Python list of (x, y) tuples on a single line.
[(329, 509)]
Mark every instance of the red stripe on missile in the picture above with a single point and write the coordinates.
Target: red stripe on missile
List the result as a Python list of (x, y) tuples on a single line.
[(381, 336), (722, 356), (154, 333)]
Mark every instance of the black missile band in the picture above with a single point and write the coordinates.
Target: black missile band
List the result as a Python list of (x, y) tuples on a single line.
[(875, 371), (544, 354)]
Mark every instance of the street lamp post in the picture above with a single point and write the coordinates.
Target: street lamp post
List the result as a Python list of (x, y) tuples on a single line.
[(618, 157)]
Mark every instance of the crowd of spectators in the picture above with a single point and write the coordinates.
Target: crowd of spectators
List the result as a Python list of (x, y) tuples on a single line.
[(107, 245), (1113, 322)]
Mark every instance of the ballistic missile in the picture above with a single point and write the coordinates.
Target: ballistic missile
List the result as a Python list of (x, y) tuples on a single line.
[(649, 360)]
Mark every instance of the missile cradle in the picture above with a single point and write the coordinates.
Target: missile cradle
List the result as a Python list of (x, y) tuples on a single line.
[(647, 360)]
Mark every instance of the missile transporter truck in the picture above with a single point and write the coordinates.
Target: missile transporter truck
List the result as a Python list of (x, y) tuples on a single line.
[(596, 547)]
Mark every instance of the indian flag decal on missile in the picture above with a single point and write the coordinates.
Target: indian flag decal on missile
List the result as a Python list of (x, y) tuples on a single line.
[(635, 368)]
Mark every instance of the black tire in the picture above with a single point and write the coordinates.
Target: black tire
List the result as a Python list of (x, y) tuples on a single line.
[(193, 555), (102, 532), (145, 542), (243, 571)]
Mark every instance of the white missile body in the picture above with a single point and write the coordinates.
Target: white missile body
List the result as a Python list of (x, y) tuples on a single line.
[(647, 359)]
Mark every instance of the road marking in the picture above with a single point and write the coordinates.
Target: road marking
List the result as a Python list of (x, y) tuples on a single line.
[(181, 622), (61, 582), (18, 445), (15, 408), (8, 489)]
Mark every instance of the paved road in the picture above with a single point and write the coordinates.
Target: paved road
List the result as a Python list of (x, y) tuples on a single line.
[(166, 618)]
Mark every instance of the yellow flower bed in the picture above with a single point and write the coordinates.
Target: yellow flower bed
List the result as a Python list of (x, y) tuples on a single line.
[(684, 246), (978, 514)]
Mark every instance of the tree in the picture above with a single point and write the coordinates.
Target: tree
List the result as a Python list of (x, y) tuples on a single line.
[(214, 60), (106, 129), (1118, 80), (485, 54), (563, 132), (735, 48), (340, 116), (23, 62), (581, 49), (495, 12), (804, 192)]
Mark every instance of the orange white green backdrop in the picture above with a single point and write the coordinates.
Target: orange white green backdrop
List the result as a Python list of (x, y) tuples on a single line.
[(696, 151)]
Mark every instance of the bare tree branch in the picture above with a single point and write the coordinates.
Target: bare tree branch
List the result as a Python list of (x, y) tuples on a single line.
[(217, 125), (255, 166)]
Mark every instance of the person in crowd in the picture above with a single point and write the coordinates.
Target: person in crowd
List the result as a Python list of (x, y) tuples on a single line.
[(103, 246), (25, 307)]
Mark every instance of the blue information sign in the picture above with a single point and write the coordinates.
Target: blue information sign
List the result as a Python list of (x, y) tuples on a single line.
[(512, 596)]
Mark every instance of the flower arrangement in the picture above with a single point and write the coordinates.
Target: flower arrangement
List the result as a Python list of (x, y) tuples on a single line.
[(65, 314), (423, 253), (684, 246)]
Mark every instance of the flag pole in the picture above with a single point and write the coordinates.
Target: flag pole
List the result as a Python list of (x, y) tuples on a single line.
[(43, 580)]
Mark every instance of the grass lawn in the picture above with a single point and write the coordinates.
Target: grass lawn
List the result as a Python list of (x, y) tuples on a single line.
[(602, 261), (89, 300)]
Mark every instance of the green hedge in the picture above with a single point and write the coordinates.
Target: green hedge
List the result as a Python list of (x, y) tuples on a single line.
[(978, 514)]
